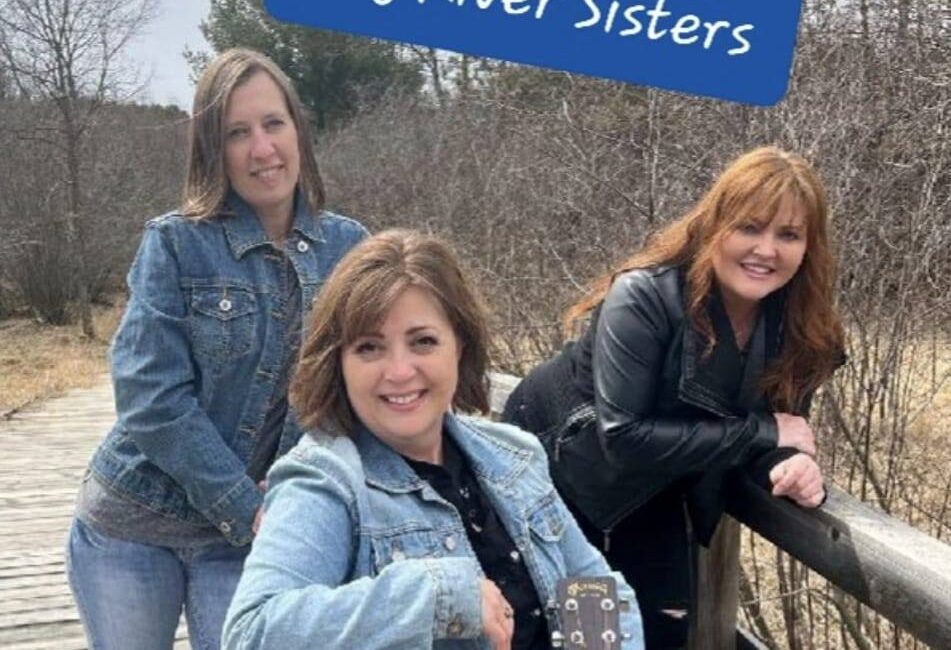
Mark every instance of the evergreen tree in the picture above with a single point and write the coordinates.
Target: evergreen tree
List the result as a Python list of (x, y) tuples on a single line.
[(333, 72)]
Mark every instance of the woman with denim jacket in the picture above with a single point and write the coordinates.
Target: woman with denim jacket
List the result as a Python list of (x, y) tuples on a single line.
[(396, 523), (701, 356), (201, 364)]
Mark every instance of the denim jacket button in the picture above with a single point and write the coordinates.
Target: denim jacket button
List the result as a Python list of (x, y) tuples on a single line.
[(450, 543), (302, 246), (515, 556), (224, 527), (224, 304)]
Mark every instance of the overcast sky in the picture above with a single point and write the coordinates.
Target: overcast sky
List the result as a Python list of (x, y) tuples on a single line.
[(159, 51)]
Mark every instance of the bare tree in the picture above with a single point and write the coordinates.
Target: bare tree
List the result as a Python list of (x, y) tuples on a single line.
[(68, 53)]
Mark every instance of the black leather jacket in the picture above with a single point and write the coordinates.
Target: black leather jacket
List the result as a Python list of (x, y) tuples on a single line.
[(635, 408)]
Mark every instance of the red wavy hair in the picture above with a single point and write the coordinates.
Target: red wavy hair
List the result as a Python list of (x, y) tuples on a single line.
[(751, 189)]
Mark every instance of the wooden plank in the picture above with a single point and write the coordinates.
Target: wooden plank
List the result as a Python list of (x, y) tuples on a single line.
[(35, 616), (47, 636), (28, 541), (33, 532), (31, 570), (19, 605), (31, 558), (16, 514), (11, 584), (63, 636), (27, 591), (72, 642), (34, 501)]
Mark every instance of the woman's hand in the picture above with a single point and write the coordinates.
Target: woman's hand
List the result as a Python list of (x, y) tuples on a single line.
[(498, 617), (799, 478), (795, 432)]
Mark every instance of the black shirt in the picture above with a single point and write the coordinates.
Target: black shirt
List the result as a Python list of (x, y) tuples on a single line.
[(500, 560), (269, 438)]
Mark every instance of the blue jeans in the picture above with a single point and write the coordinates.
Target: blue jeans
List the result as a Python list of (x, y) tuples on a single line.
[(130, 596)]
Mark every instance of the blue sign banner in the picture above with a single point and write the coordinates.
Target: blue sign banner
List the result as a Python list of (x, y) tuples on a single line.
[(739, 50)]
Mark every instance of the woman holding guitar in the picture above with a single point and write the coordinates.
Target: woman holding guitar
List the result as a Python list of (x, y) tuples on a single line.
[(397, 522)]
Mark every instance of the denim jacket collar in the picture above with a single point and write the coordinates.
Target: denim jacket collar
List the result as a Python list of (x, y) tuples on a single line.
[(244, 230), (491, 459)]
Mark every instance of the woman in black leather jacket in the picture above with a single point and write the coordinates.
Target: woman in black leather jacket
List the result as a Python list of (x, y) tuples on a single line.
[(700, 357)]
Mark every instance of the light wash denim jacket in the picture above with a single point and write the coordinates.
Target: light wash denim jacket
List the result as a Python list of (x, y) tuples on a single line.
[(357, 552), (196, 357)]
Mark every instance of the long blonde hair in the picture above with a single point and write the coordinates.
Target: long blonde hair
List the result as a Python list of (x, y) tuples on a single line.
[(750, 188)]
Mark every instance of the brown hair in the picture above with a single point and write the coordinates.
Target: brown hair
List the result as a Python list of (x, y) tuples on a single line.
[(751, 189), (355, 301), (206, 184)]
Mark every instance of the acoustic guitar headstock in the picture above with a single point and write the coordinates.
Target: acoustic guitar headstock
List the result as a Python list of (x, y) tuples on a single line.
[(588, 614)]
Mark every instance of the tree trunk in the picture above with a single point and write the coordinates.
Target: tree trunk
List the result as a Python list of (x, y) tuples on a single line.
[(76, 242)]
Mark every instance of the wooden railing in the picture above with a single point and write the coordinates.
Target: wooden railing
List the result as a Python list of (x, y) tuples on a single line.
[(901, 573)]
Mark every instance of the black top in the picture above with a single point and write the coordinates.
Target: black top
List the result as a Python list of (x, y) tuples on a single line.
[(500, 560), (269, 438)]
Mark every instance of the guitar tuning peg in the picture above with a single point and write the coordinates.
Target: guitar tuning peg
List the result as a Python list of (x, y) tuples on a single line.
[(609, 636), (557, 639)]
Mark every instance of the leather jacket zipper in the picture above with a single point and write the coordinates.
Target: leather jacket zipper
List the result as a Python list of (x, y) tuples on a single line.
[(581, 413)]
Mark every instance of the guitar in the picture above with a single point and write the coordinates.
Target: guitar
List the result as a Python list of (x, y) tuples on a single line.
[(588, 614)]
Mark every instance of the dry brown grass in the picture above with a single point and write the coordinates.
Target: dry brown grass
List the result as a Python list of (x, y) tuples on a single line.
[(38, 361)]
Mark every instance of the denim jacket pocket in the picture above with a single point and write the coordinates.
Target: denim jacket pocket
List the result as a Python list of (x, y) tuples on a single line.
[(222, 321), (396, 546), (547, 523)]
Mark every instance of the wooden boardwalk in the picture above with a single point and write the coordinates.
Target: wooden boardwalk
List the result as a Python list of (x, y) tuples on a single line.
[(43, 454)]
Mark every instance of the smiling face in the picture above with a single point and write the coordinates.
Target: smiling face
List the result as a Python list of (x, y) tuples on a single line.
[(401, 378), (758, 257), (262, 159)]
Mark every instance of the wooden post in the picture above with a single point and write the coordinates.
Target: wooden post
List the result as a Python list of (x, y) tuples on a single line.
[(713, 610)]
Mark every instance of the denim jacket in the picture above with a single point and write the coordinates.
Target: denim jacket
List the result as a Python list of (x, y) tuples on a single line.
[(196, 358), (357, 552)]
